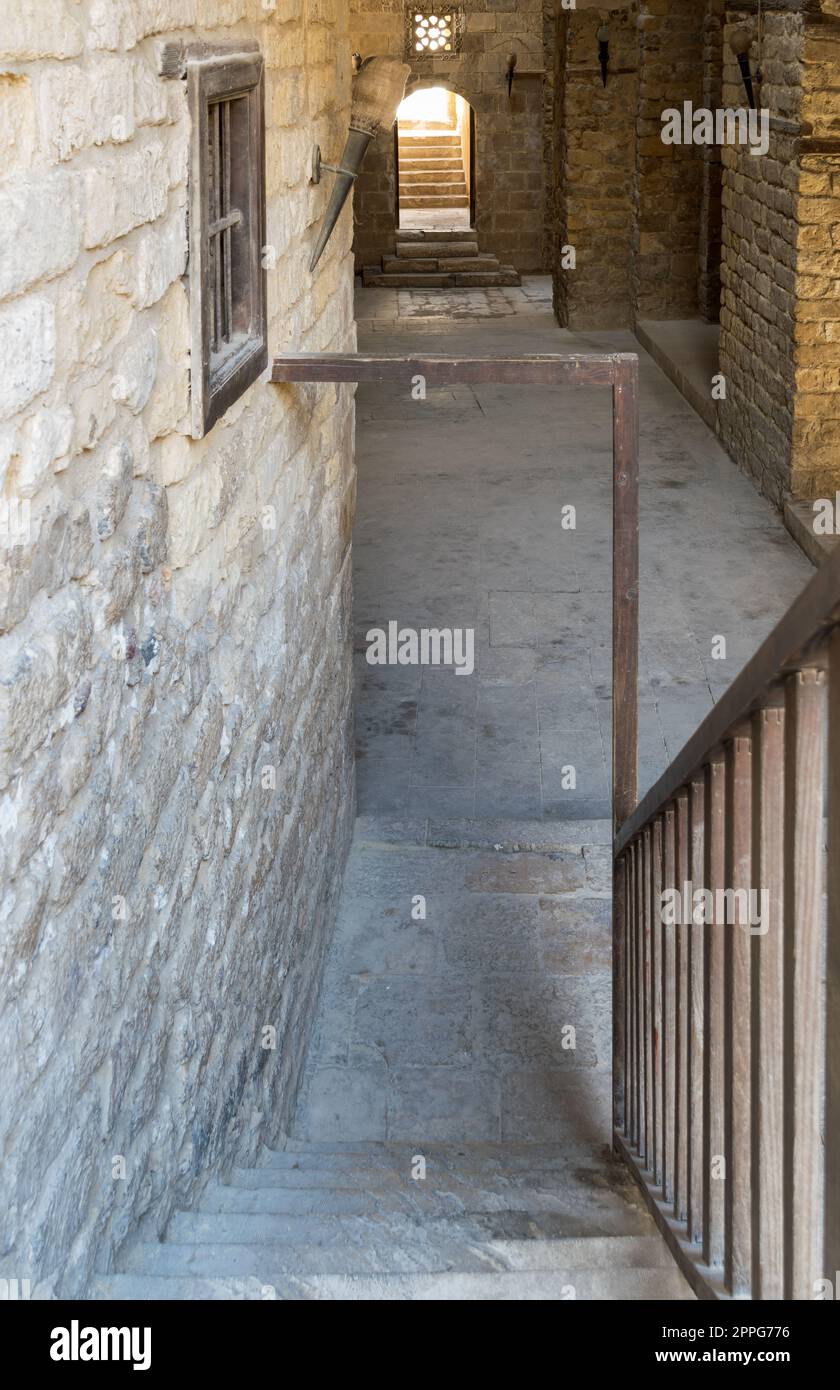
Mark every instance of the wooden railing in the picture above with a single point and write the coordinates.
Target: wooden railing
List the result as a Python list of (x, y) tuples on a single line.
[(726, 1058)]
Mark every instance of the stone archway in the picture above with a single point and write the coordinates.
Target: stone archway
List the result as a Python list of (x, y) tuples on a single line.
[(434, 155)]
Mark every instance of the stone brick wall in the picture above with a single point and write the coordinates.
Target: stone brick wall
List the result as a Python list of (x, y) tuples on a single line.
[(510, 157), (594, 168), (667, 195), (711, 194), (815, 451), (758, 272), (175, 757)]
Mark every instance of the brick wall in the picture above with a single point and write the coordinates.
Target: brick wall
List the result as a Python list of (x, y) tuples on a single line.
[(175, 754), (594, 169), (815, 452), (510, 155), (758, 272), (667, 194)]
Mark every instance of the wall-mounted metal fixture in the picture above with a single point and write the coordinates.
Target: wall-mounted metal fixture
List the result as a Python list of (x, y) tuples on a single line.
[(356, 60), (378, 89), (509, 71), (741, 41), (604, 51)]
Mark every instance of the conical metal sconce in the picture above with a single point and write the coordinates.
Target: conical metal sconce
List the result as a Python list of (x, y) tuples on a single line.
[(740, 42), (378, 89), (604, 51)]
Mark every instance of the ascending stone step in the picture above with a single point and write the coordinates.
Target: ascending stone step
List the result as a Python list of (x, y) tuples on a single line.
[(402, 265), (430, 163), (433, 190), (429, 144), (422, 178), (419, 234), (440, 250), (373, 277)]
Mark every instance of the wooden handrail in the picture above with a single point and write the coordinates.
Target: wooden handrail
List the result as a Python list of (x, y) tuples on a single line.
[(726, 1039), (793, 643)]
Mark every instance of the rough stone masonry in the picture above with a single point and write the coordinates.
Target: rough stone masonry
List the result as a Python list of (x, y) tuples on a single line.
[(175, 761)]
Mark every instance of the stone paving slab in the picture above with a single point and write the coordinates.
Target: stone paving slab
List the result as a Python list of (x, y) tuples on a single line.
[(459, 521)]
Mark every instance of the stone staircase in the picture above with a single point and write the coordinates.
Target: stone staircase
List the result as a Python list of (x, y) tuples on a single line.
[(431, 170), (355, 1221), (446, 1143), (438, 260)]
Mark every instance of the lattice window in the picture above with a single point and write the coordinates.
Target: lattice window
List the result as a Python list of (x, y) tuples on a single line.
[(433, 34), (227, 232)]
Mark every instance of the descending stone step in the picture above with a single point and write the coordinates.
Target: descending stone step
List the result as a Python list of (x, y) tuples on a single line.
[(527, 1285), (406, 1197), (554, 1285)]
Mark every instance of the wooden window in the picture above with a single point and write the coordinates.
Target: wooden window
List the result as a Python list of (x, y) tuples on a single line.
[(227, 231)]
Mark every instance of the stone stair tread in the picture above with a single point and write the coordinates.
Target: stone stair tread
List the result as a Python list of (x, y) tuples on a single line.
[(530, 1285), (405, 265), (409, 1198), (398, 1250), (258, 1229), (437, 250), (377, 279), (438, 234), (439, 200)]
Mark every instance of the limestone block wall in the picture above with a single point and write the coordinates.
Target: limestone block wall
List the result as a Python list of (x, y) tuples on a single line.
[(594, 168), (510, 154), (175, 669)]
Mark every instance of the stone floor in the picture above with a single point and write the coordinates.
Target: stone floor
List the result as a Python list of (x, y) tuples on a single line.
[(454, 1026), (459, 524)]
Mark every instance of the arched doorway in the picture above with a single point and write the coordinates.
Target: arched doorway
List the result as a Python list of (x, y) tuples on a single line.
[(434, 144)]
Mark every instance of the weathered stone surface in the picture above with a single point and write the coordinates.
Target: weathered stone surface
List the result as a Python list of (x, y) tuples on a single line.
[(175, 759)]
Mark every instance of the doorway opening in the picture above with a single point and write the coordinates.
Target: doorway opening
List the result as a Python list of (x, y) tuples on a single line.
[(434, 137)]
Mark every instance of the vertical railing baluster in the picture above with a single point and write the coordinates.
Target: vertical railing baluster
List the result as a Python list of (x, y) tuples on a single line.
[(619, 993), (656, 873), (768, 727), (831, 1171), (696, 937), (640, 989), (804, 978), (669, 1037), (632, 1073), (714, 1171), (739, 1012), (681, 937), (648, 1008)]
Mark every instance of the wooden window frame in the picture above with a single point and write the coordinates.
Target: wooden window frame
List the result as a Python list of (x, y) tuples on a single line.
[(218, 379)]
